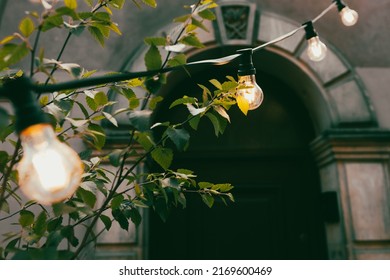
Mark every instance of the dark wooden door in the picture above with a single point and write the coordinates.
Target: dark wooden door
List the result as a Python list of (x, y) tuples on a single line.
[(266, 157)]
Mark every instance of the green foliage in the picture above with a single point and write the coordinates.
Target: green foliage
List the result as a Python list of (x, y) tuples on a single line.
[(12, 53), (153, 59), (112, 188), (26, 26)]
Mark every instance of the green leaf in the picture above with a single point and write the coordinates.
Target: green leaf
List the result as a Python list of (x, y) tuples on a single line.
[(216, 83), (161, 208), (140, 119), (221, 111), (191, 40), (205, 185), (116, 201), (199, 24), (243, 104), (115, 157), (111, 119), (98, 135), (101, 98), (145, 140), (12, 53), (121, 219), (91, 103), (114, 27), (153, 58), (77, 123), (177, 60), (224, 187), (54, 224), (103, 27), (157, 41), (5, 207), (151, 3), (230, 196), (194, 122), (154, 101), (134, 103), (88, 197), (7, 39), (68, 233), (183, 100), (195, 111), (4, 119), (52, 22), (180, 137), (11, 246), (26, 218), (214, 120), (71, 4), (106, 221), (229, 85), (96, 34), (135, 216), (182, 18), (207, 14), (60, 209), (26, 26), (103, 17), (40, 224), (208, 199), (163, 156), (3, 160), (72, 68)]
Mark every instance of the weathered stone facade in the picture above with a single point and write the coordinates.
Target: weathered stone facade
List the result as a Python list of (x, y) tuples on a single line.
[(346, 96)]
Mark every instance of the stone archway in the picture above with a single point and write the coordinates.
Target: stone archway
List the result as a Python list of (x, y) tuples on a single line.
[(351, 151)]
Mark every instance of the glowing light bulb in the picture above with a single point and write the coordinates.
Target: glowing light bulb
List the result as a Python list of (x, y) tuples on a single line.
[(250, 90), (49, 171), (316, 50), (348, 16)]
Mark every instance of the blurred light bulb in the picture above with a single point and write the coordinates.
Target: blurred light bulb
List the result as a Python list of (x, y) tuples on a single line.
[(316, 50), (49, 171), (250, 90), (348, 16)]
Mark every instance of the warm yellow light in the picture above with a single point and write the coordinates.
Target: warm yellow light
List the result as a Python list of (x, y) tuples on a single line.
[(316, 50), (52, 177), (348, 16), (250, 90), (49, 171)]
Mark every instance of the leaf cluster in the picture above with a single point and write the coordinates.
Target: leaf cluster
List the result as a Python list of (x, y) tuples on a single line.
[(113, 187)]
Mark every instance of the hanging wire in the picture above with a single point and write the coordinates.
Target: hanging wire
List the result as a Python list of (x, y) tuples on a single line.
[(122, 76), (324, 12)]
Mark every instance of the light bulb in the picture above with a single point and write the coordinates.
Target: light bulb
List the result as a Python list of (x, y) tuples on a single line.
[(250, 90), (348, 16), (316, 50), (49, 171)]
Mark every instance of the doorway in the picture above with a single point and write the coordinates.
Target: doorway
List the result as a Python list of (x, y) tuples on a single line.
[(266, 156)]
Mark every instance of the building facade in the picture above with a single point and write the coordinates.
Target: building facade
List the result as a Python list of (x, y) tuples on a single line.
[(310, 166)]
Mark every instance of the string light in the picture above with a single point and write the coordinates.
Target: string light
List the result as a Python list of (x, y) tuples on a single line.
[(316, 50), (348, 16), (50, 171), (248, 88)]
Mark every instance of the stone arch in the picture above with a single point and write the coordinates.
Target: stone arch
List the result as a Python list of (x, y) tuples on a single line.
[(331, 89), (351, 151)]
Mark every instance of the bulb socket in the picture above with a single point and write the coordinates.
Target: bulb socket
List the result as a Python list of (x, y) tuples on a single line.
[(27, 110), (309, 29), (340, 4), (246, 66)]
